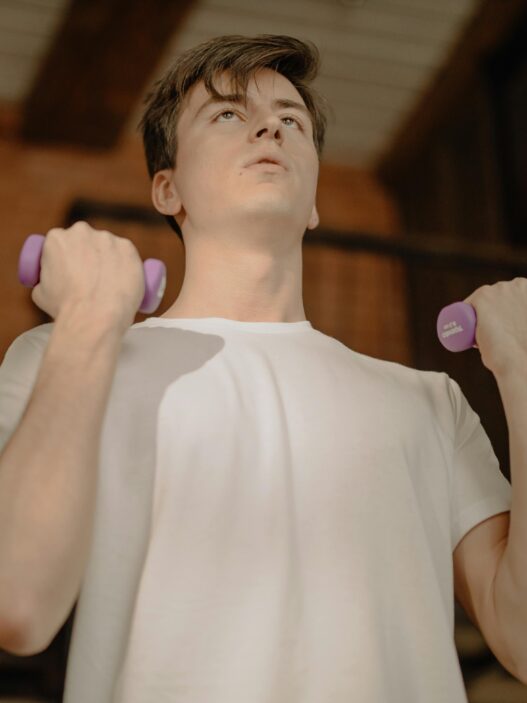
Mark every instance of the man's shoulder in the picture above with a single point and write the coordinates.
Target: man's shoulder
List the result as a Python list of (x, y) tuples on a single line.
[(385, 368)]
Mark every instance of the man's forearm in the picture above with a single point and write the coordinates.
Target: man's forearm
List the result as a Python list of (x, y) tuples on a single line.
[(510, 586), (48, 476)]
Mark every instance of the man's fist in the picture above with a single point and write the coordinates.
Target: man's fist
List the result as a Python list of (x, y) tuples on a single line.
[(95, 270)]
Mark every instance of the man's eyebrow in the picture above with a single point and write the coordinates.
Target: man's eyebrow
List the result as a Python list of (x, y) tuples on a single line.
[(233, 98), (285, 102)]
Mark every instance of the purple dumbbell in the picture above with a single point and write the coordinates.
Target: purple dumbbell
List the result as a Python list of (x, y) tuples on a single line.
[(456, 327), (29, 272)]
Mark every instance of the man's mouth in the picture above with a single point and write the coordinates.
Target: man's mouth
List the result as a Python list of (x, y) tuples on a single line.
[(264, 164), (267, 161)]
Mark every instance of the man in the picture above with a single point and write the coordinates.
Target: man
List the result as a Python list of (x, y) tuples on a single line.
[(243, 217), (276, 514)]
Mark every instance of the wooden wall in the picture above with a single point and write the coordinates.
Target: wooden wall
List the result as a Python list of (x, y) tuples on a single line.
[(359, 298)]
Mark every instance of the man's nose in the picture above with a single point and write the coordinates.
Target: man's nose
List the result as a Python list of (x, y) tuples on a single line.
[(269, 127)]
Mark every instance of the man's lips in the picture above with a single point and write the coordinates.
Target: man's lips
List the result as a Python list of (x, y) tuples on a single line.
[(266, 166), (271, 161)]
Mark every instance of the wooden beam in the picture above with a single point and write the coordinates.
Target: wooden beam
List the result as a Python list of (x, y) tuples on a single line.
[(494, 20), (420, 247), (97, 69)]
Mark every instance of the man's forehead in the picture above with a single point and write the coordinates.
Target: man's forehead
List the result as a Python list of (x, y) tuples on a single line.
[(264, 80)]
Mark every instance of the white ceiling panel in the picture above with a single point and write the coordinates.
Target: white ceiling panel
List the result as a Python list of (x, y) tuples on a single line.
[(14, 74), (27, 28), (377, 56), (340, 38), (376, 95), (449, 8), (395, 74), (372, 18)]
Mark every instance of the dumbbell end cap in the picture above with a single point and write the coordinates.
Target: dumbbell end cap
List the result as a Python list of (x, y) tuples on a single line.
[(155, 284), (456, 326), (29, 260)]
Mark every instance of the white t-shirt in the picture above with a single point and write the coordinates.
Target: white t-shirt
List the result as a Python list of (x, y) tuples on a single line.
[(275, 519)]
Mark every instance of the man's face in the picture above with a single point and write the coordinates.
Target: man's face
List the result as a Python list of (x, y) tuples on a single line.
[(217, 141)]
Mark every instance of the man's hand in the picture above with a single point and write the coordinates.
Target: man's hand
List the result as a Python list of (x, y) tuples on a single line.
[(501, 330), (90, 270)]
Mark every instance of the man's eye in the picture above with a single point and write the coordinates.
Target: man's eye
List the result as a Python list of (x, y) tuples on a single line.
[(225, 112), (298, 124)]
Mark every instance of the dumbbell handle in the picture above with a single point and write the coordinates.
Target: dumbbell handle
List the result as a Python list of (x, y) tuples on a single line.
[(456, 326), (29, 272)]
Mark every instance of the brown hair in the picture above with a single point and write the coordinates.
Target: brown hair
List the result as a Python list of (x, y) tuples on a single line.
[(242, 56)]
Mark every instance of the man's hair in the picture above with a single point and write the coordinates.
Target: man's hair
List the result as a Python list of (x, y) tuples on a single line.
[(241, 56)]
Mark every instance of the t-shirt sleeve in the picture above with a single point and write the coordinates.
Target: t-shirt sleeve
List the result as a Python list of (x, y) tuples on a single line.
[(18, 373), (479, 488)]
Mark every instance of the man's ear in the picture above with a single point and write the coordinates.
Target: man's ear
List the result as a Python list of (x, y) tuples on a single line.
[(165, 195), (314, 219)]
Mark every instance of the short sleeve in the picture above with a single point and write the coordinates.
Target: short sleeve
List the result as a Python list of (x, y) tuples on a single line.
[(18, 374), (479, 488)]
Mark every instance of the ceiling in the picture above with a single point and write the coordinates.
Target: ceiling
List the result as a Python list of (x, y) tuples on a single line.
[(378, 56)]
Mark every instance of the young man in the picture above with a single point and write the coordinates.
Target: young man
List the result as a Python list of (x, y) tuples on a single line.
[(242, 175), (275, 513)]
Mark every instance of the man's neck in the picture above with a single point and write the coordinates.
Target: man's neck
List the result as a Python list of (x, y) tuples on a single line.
[(238, 285)]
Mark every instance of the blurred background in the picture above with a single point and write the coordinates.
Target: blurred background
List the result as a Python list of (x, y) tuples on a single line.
[(422, 192)]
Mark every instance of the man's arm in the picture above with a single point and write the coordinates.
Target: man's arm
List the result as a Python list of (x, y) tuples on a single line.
[(510, 584), (48, 473), (476, 562), (491, 563)]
